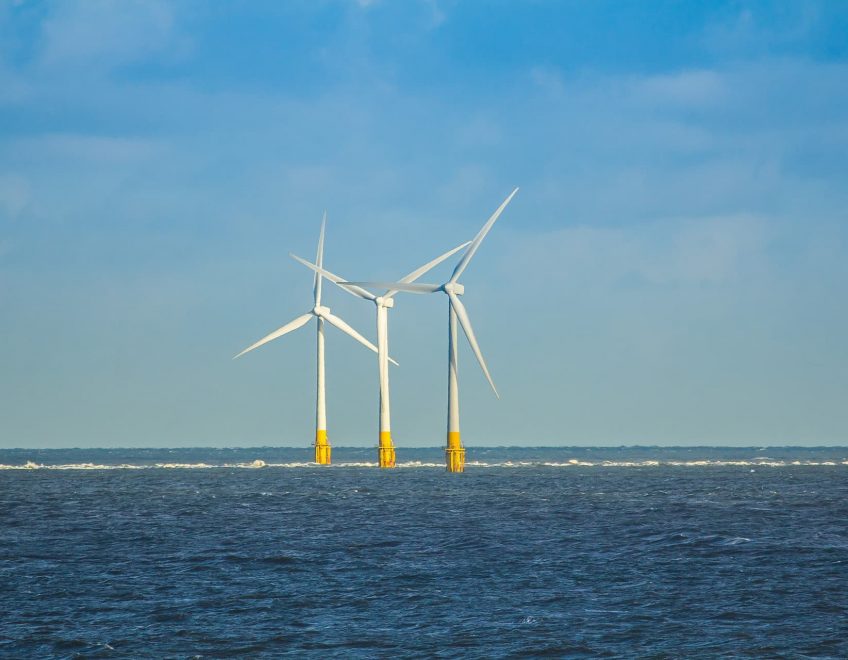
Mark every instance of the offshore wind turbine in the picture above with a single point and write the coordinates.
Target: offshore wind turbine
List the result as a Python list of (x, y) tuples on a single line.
[(454, 451), (383, 303), (321, 313)]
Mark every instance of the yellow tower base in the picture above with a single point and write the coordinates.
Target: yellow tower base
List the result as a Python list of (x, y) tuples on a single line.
[(386, 451), (322, 448), (455, 453)]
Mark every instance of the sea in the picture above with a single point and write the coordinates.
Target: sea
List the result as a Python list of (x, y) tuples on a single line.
[(531, 552)]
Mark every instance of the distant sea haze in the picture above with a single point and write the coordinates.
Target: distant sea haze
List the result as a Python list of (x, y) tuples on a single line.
[(632, 551)]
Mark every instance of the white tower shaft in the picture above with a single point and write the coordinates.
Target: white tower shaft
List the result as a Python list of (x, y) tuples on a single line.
[(386, 451), (383, 365), (322, 447), (454, 452)]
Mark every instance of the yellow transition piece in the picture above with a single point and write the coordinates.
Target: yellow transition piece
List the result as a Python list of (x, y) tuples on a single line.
[(386, 450), (322, 448), (455, 453)]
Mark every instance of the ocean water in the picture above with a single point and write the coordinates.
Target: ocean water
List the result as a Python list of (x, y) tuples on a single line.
[(559, 552)]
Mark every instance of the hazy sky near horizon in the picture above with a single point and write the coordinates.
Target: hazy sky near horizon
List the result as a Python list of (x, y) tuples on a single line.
[(673, 270)]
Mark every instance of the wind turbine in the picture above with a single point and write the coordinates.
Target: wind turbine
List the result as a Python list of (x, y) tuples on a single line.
[(454, 452), (321, 313), (386, 450)]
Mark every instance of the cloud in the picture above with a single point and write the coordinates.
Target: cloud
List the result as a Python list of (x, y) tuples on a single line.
[(14, 194), (13, 87), (548, 79), (752, 31), (437, 14), (714, 250), (76, 148), (105, 34), (689, 251), (687, 88)]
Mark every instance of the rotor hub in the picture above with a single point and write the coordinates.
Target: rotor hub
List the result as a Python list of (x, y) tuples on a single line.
[(455, 288)]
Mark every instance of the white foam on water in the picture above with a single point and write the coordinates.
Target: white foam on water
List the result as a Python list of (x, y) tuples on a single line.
[(571, 463), (737, 540), (252, 465)]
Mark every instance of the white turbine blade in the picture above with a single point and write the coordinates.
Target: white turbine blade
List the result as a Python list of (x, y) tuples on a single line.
[(465, 322), (415, 274), (335, 279), (319, 260), (466, 258), (288, 327), (345, 328), (400, 286)]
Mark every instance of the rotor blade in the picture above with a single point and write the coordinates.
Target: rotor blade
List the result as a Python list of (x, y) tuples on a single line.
[(345, 328), (319, 260), (335, 279), (288, 327), (465, 322), (466, 258), (400, 286), (415, 274)]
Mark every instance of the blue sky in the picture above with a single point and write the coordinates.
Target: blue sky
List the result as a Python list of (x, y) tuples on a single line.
[(673, 270)]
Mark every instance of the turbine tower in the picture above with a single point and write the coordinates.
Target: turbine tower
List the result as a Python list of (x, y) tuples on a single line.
[(454, 451), (386, 449), (321, 313)]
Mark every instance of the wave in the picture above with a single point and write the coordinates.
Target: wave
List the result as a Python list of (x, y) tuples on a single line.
[(572, 463)]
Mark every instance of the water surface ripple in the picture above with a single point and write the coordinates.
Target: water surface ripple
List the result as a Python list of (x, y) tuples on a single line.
[(727, 558)]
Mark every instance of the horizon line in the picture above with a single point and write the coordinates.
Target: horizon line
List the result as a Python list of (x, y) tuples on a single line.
[(441, 447)]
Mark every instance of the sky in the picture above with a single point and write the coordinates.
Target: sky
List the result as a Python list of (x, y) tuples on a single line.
[(672, 272)]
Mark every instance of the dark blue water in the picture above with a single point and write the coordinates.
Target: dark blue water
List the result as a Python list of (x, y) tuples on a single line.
[(531, 552)]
